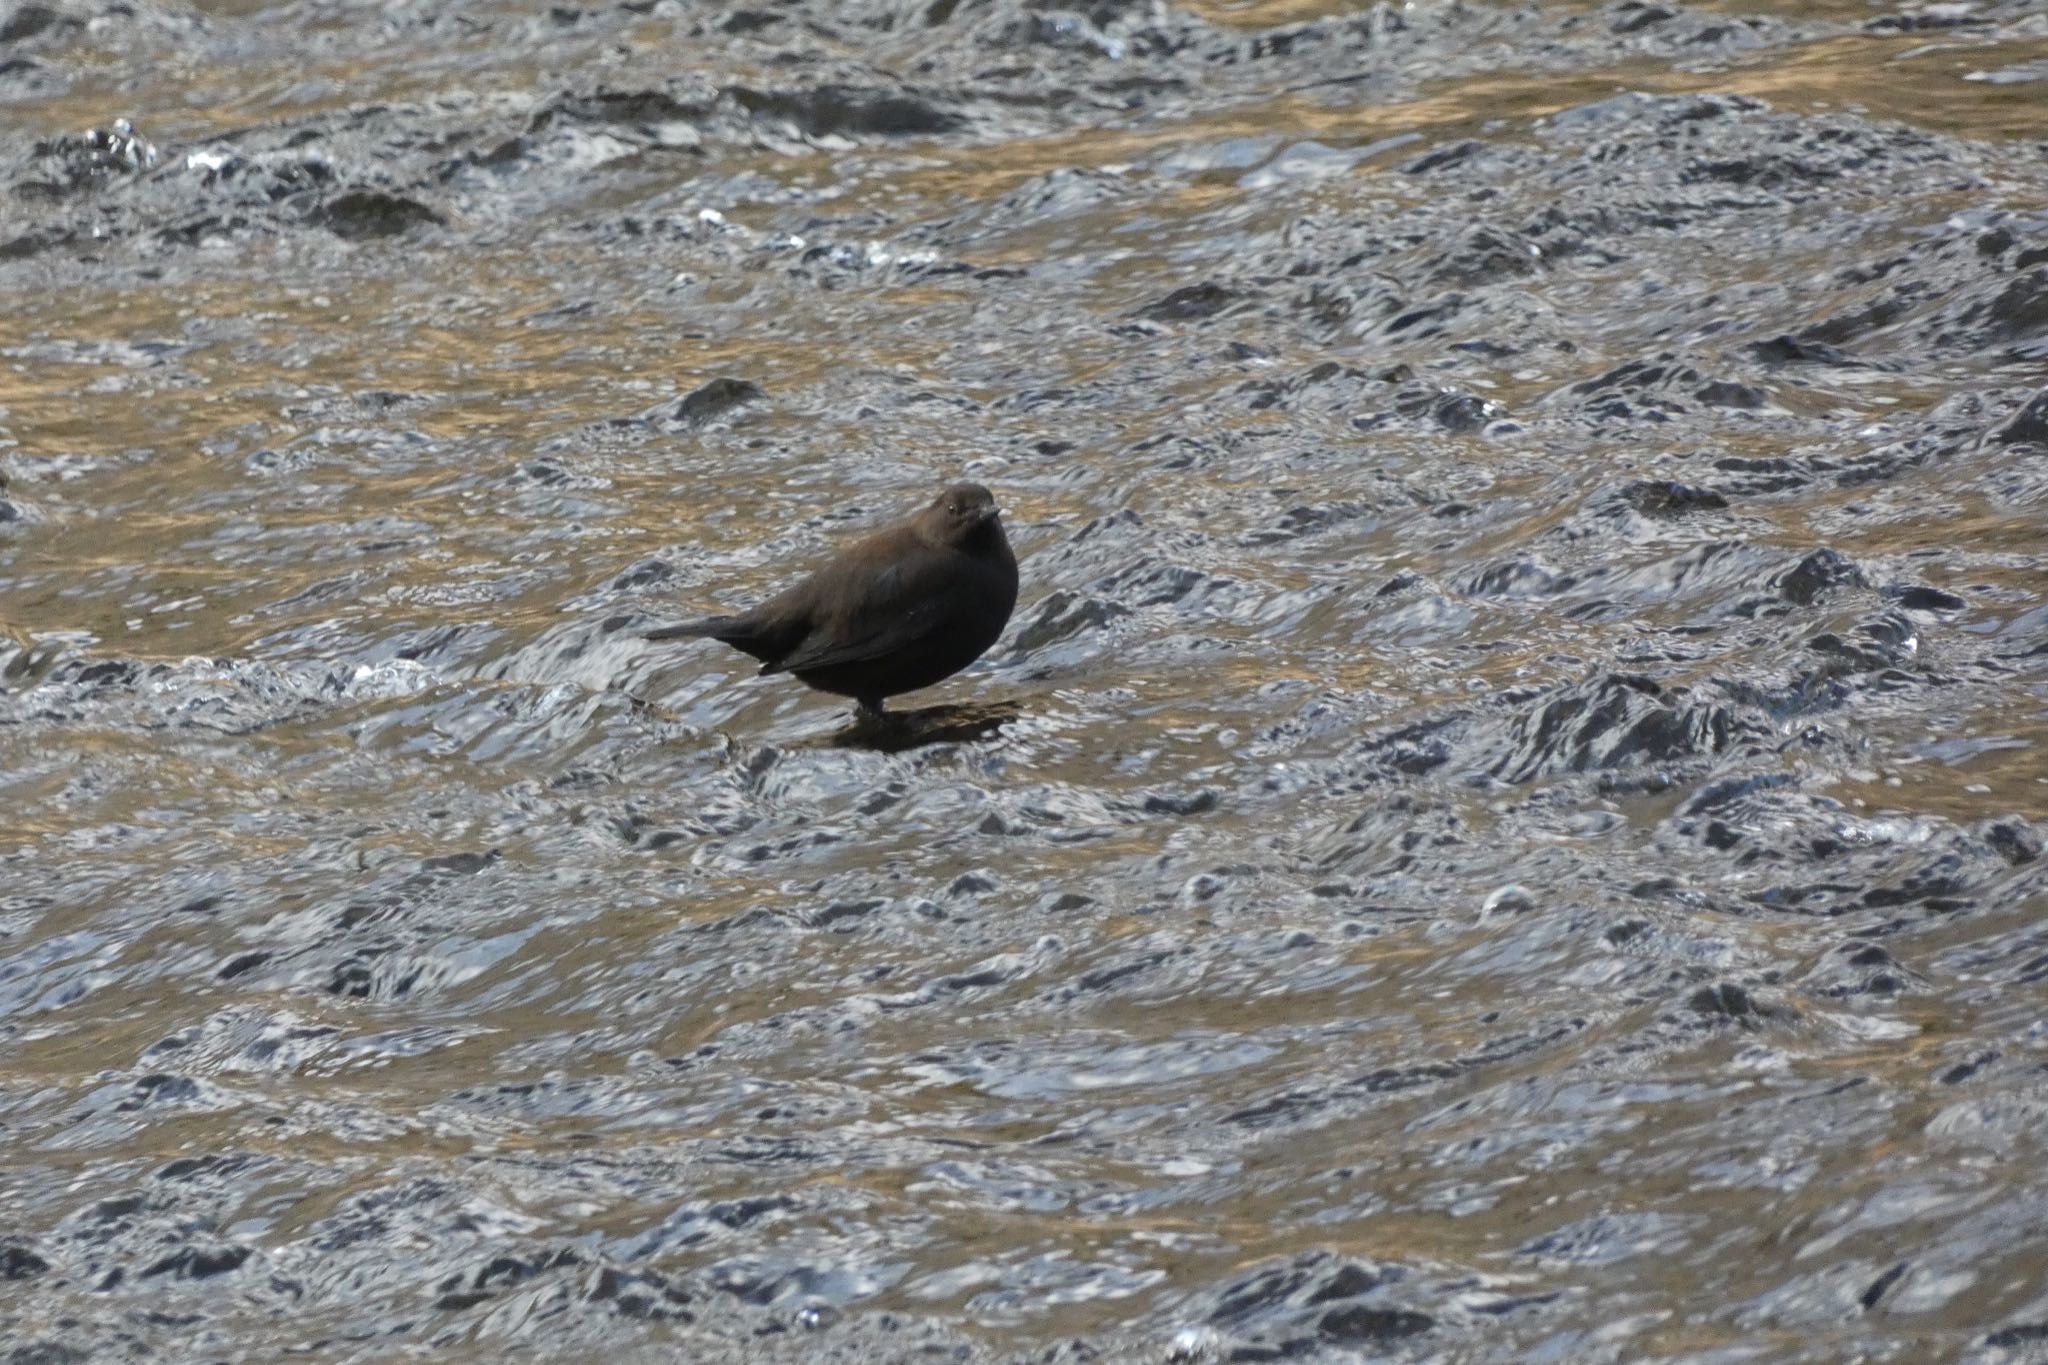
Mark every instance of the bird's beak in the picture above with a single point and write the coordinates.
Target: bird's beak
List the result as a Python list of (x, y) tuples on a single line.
[(988, 514)]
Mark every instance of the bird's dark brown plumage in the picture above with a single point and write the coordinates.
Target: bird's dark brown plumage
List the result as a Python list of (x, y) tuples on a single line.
[(895, 612)]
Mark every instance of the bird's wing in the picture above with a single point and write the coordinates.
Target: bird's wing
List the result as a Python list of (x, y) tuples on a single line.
[(901, 605)]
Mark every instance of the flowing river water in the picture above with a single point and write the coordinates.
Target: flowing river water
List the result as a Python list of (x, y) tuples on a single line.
[(1507, 825)]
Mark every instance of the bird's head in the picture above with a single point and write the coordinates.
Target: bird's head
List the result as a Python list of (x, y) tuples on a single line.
[(960, 513)]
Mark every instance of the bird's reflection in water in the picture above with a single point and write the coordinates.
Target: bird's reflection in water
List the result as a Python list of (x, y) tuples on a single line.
[(896, 731)]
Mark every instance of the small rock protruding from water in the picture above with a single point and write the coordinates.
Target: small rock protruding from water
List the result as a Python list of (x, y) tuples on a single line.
[(1512, 899), (704, 403), (119, 147), (1670, 498), (2028, 426), (1820, 572), (1191, 303)]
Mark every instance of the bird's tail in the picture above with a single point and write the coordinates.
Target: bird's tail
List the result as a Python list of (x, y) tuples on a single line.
[(711, 626), (746, 632)]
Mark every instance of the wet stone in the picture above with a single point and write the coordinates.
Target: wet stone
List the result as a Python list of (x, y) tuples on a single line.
[(1819, 573), (1886, 642), (708, 401), (197, 1263), (26, 21), (1362, 1324), (1669, 498), (361, 214), (1928, 599), (20, 1262), (46, 1353), (2028, 426), (833, 108), (1192, 303), (2016, 842)]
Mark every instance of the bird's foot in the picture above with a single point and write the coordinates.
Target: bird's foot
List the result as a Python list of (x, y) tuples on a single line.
[(897, 731)]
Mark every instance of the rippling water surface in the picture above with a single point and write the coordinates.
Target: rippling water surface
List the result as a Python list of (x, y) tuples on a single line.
[(1507, 825)]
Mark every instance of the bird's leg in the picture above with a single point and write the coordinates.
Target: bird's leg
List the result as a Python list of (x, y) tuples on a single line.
[(868, 711)]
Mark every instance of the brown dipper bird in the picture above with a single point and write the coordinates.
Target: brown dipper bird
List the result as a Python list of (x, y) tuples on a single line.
[(892, 613)]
